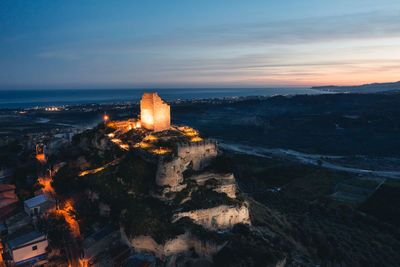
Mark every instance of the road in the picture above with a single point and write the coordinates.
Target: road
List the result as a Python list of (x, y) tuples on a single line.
[(312, 159)]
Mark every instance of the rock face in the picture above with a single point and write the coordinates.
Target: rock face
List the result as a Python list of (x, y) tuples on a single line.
[(154, 112), (195, 156), (179, 244), (225, 182), (218, 218), (191, 155)]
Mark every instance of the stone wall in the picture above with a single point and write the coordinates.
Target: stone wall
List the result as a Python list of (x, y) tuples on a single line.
[(196, 154)]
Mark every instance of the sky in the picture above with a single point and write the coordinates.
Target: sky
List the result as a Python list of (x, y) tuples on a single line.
[(208, 43)]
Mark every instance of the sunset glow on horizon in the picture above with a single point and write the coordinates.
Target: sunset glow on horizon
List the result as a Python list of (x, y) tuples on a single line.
[(175, 44)]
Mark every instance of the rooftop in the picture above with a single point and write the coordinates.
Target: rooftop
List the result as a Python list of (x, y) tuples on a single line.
[(24, 239), (6, 187), (35, 201)]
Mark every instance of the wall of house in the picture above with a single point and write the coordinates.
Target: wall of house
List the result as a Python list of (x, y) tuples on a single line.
[(30, 211), (26, 252)]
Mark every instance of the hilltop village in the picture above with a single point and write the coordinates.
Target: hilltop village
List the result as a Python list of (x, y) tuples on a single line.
[(136, 190), (179, 180)]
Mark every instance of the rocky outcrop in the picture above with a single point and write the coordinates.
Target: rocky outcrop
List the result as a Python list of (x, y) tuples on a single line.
[(217, 218), (224, 183), (179, 244)]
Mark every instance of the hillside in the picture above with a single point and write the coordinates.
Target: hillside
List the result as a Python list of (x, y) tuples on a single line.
[(365, 88), (292, 220)]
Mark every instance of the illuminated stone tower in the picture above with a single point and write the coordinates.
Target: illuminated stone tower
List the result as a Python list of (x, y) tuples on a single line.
[(154, 112)]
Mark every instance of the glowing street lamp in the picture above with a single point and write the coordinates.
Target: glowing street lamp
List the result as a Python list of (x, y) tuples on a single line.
[(106, 118)]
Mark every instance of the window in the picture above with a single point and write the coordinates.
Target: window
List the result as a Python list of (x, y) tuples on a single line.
[(34, 248)]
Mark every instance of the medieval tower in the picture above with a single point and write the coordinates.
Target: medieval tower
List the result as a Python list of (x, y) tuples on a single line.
[(154, 112)]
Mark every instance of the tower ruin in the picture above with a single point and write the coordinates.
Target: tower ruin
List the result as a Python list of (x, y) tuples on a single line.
[(154, 112)]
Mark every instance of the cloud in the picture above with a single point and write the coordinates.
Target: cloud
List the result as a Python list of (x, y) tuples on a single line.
[(306, 30), (304, 50)]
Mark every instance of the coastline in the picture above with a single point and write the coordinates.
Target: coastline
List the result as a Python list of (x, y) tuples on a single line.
[(23, 99)]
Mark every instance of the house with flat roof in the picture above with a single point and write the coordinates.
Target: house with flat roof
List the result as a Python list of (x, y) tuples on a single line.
[(29, 247), (37, 205)]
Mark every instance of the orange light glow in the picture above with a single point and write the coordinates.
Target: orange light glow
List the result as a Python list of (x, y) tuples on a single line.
[(46, 183), (1, 252), (138, 124), (150, 138), (124, 126), (143, 145), (84, 262), (106, 118), (116, 140), (67, 210), (41, 158), (91, 171), (112, 163), (111, 135), (52, 109), (188, 131), (161, 150), (124, 146)]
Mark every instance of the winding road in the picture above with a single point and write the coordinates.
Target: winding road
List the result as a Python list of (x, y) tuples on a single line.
[(312, 159)]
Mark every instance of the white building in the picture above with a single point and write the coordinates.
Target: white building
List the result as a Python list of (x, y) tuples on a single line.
[(36, 205), (30, 247)]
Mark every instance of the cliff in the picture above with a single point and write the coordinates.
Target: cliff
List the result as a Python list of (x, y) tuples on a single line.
[(217, 218), (161, 185)]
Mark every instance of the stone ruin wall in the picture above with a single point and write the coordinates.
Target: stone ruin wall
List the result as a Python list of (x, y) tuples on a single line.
[(199, 154)]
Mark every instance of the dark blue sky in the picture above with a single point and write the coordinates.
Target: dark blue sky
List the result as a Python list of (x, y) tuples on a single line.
[(108, 44)]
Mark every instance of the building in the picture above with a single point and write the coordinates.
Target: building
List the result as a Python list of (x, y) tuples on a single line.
[(4, 173), (155, 114), (27, 248), (37, 205), (7, 188), (16, 222), (8, 200)]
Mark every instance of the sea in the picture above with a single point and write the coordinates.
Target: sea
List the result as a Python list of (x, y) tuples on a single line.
[(56, 97)]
